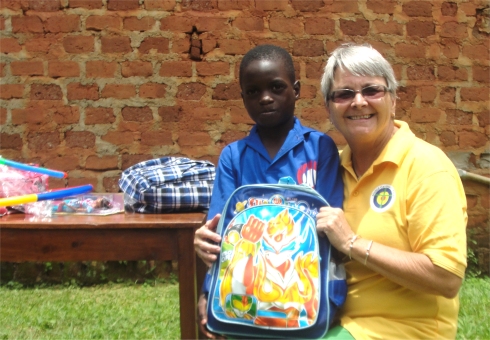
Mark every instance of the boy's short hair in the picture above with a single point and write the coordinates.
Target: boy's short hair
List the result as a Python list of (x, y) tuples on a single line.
[(269, 52)]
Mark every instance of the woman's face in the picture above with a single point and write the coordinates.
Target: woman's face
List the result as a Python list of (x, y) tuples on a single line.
[(360, 119)]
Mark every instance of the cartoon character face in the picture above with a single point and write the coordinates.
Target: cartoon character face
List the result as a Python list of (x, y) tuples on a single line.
[(280, 231)]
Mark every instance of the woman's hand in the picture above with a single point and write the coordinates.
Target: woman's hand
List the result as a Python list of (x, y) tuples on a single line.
[(332, 223), (202, 313), (206, 240)]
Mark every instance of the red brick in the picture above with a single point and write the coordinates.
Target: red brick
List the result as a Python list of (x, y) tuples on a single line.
[(116, 44), (208, 24), (271, 5), (80, 139), (235, 46), (160, 45), (307, 5), (78, 91), (381, 6), (213, 68), (2, 23), (62, 24), (170, 114), (308, 48), (450, 49), (205, 114), (448, 138), (478, 52), (410, 51), (194, 138), (9, 91), (129, 160), (475, 93), (314, 114), (79, 44), (120, 137), (87, 4), (314, 70), (481, 74), (3, 116), (347, 6), (43, 45), (449, 9), (249, 23), (100, 69), (63, 69), (29, 115), (11, 141), (422, 29), (45, 5), (99, 115), (166, 5), (85, 179), (418, 9), (179, 24), (27, 24), (227, 92), (63, 163), (122, 5), (176, 69), (101, 163), (228, 5), (136, 69), (111, 184), (137, 114), (421, 73), (120, 91), (472, 139), (230, 136), (9, 45), (157, 138), (448, 73), (103, 22), (428, 93), (200, 6), (3, 67), (447, 94), (453, 30), (14, 4), (138, 24), (238, 115), (458, 117), (152, 90), (43, 140), (27, 68), (191, 91), (483, 118), (390, 27), (286, 25), (66, 114), (354, 27), (425, 115), (319, 25), (46, 92)]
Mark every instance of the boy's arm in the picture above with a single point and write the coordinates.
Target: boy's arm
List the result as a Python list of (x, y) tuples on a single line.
[(329, 178)]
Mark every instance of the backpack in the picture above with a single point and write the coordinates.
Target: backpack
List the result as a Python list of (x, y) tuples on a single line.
[(274, 277), (168, 184)]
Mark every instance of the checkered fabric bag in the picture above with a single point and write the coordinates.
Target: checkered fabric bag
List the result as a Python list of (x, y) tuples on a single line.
[(168, 184)]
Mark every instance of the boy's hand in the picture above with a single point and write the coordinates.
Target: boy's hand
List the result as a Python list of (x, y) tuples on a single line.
[(206, 240), (202, 306)]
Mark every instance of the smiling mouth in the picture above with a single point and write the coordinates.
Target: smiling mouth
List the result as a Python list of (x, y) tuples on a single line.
[(360, 117)]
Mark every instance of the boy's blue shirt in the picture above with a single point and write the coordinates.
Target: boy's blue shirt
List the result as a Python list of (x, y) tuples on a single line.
[(307, 155)]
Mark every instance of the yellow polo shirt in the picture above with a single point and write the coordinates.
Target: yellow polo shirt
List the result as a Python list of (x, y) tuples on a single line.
[(411, 199)]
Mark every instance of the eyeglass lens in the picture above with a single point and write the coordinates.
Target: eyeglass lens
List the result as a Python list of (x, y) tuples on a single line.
[(368, 92)]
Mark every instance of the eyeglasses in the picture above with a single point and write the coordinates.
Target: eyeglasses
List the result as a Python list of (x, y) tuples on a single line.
[(347, 95)]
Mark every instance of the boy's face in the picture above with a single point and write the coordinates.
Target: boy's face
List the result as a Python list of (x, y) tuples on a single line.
[(268, 93)]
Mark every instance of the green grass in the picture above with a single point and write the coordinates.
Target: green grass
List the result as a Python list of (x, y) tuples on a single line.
[(129, 311)]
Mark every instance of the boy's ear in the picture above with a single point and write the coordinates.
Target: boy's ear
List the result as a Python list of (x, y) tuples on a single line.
[(297, 88)]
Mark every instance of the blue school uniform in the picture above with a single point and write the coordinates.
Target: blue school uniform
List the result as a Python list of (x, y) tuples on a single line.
[(307, 155)]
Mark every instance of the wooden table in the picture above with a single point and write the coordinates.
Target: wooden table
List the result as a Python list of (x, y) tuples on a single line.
[(112, 238)]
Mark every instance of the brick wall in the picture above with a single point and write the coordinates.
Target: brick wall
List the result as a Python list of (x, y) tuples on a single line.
[(93, 86)]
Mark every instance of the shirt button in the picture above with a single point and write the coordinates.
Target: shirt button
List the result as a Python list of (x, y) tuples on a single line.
[(355, 193)]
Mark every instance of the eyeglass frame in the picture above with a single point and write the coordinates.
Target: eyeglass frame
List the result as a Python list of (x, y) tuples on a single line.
[(385, 89)]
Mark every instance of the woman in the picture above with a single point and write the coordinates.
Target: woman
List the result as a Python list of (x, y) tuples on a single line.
[(402, 226)]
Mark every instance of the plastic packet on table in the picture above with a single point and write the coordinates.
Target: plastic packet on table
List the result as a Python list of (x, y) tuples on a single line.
[(15, 182), (89, 204)]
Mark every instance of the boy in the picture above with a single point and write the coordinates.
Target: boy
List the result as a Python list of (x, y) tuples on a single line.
[(277, 146)]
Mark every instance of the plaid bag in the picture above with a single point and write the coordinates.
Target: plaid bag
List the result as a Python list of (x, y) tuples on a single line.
[(168, 184)]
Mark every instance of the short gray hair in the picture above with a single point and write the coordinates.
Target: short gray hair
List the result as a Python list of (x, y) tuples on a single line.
[(360, 60)]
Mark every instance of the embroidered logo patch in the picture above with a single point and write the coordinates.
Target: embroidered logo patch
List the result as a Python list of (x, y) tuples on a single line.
[(382, 198)]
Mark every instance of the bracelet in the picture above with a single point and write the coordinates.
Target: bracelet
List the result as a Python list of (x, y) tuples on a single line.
[(352, 240), (367, 251)]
